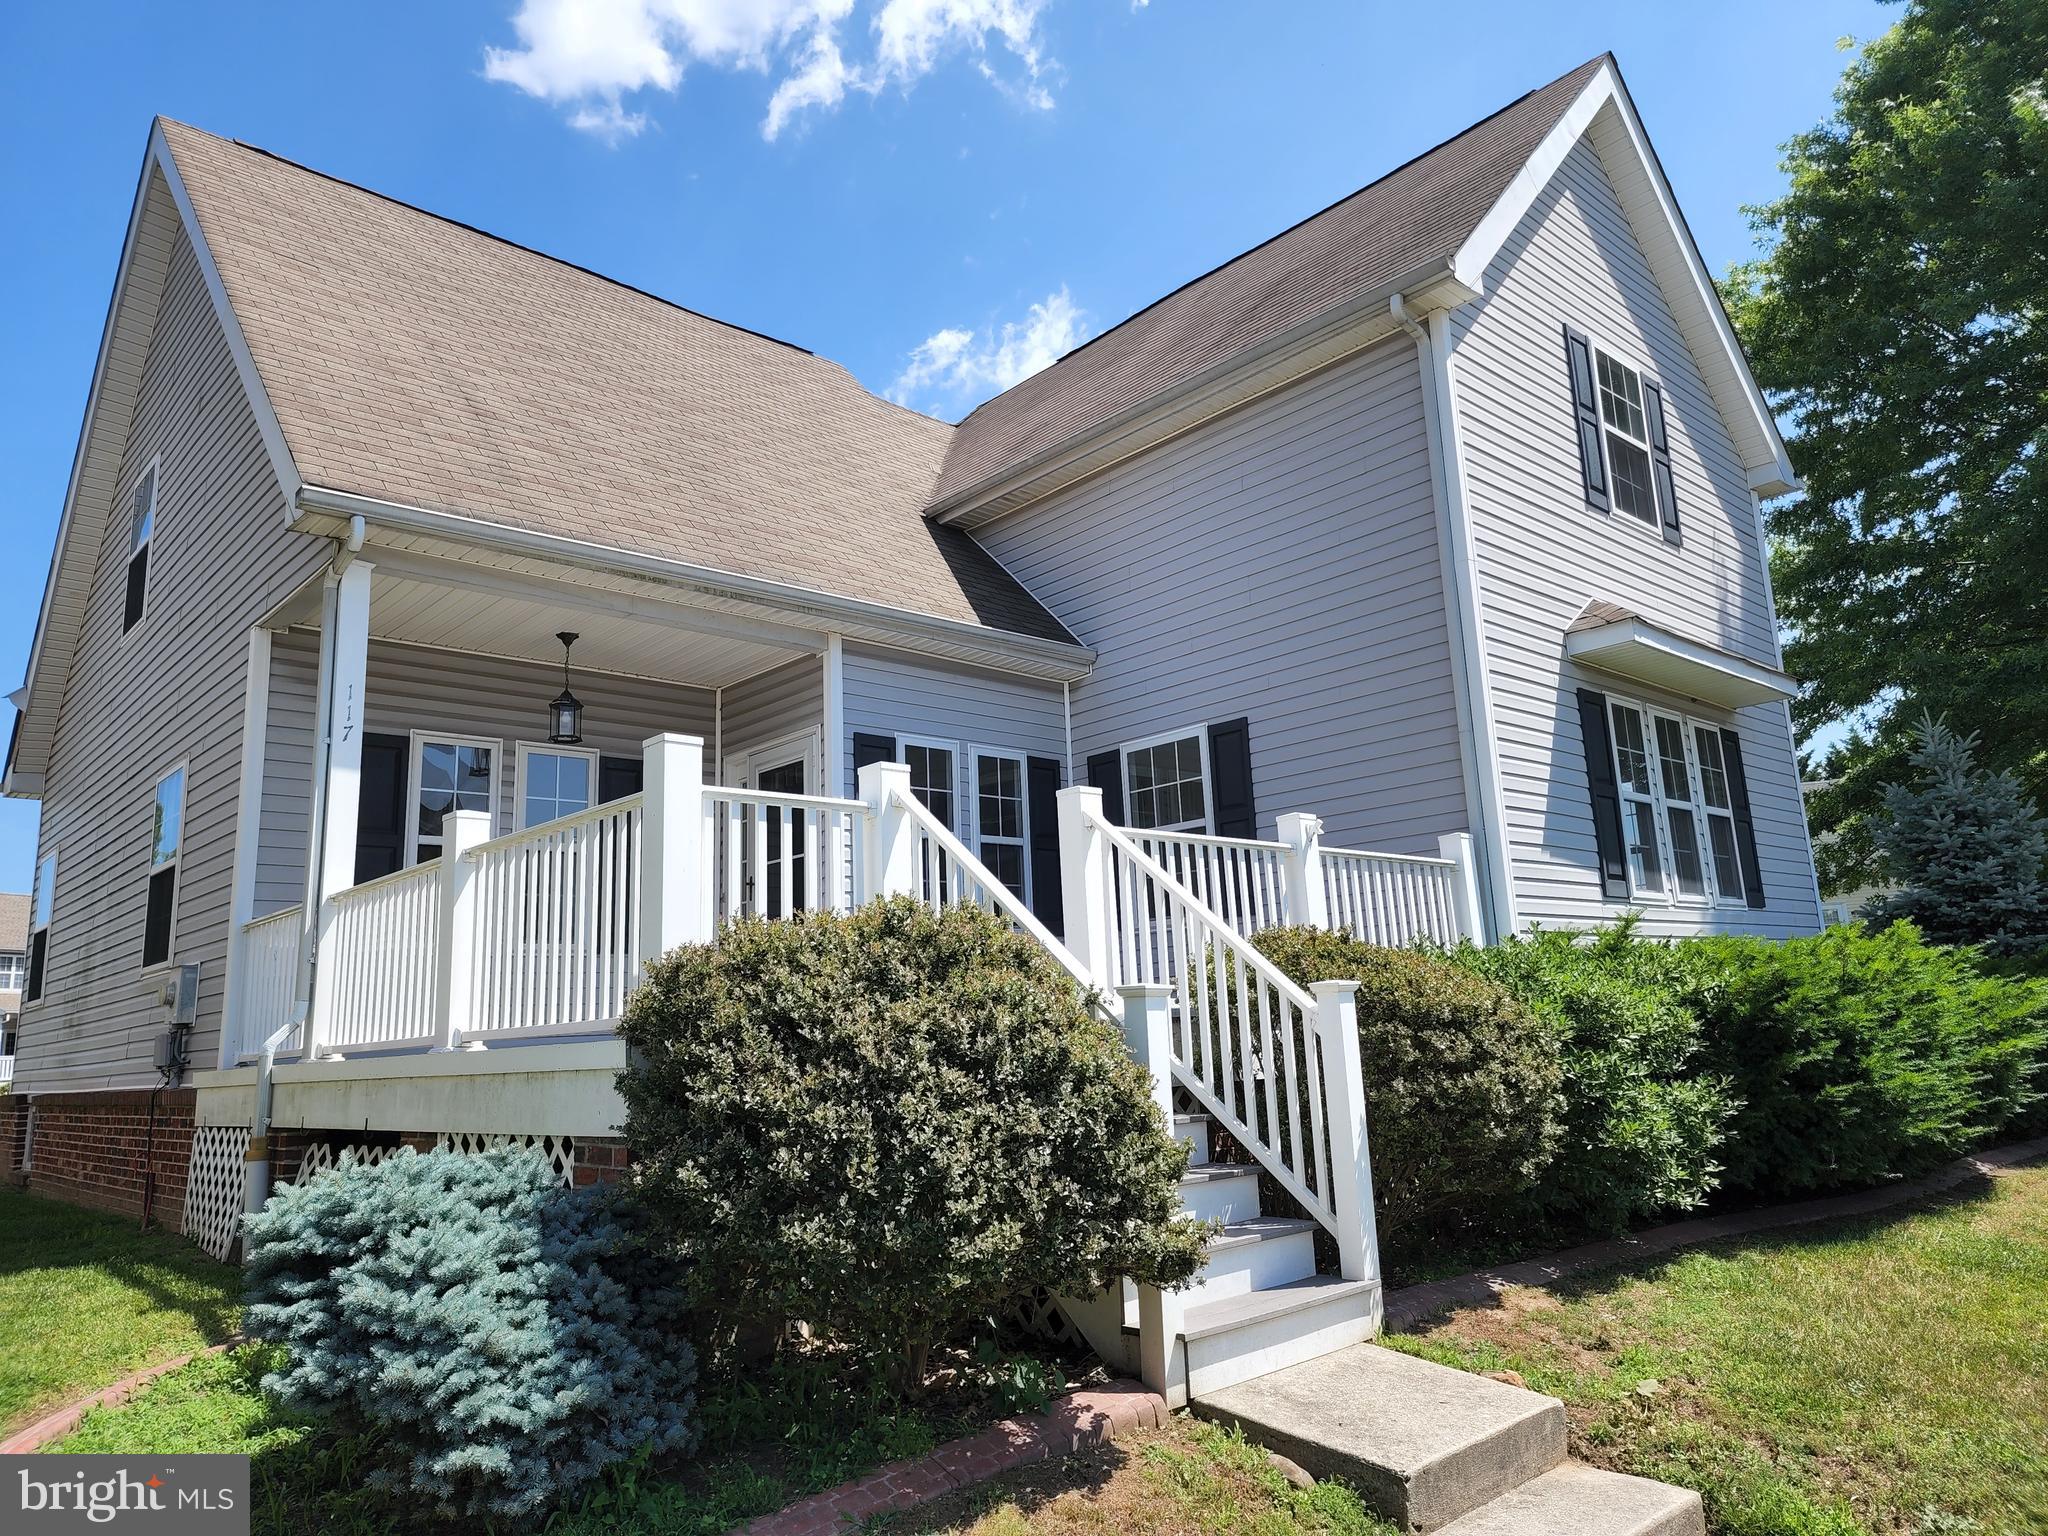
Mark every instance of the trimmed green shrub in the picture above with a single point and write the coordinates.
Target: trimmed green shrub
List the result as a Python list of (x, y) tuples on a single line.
[(1860, 1055), (505, 1338), (1461, 1085), (1640, 1127), (884, 1124)]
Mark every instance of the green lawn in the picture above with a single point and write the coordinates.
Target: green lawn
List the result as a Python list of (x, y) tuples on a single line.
[(85, 1298), (1886, 1375)]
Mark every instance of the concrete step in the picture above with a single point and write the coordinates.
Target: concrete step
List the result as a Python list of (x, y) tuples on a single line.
[(1195, 1130), (1224, 1192), (1235, 1338), (1254, 1255), (1422, 1443), (1578, 1500)]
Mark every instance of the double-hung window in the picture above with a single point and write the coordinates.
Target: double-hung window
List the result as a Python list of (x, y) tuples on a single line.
[(13, 970), (166, 841), (141, 529), (451, 773), (1677, 810), (1628, 438), (554, 782), (39, 926), (1624, 451), (932, 779), (1166, 784), (999, 818)]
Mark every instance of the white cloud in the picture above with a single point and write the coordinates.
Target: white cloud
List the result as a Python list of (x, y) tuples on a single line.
[(589, 55), (957, 368)]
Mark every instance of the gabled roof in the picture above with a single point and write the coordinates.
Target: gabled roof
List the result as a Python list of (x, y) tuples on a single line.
[(1427, 230), (415, 360), (1410, 221)]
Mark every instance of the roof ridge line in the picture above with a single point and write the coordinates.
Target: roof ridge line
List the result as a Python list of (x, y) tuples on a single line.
[(492, 235)]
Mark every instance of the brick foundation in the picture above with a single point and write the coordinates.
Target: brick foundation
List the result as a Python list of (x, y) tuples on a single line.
[(98, 1149)]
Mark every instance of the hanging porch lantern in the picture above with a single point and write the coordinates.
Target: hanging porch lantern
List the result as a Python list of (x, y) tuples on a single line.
[(565, 712)]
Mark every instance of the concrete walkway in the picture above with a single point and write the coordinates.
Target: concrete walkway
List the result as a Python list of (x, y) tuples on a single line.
[(1420, 1303)]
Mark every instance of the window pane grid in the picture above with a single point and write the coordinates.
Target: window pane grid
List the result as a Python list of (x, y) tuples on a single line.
[(1165, 785), (1677, 813)]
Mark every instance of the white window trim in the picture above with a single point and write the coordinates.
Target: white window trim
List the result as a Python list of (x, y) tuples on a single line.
[(1652, 528), (175, 863), (1201, 734), (805, 744), (1670, 897), (961, 811), (1023, 840), (526, 750), (36, 892), (153, 473), (412, 782), (1708, 811), (21, 957)]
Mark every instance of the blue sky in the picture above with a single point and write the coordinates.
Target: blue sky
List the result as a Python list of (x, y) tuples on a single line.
[(936, 193)]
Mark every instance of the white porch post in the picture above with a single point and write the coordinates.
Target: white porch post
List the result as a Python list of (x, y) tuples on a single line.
[(347, 647), (1084, 883), (1148, 1032), (889, 852), (1358, 1243), (1457, 847), (455, 953), (1308, 903), (672, 846), (239, 1032)]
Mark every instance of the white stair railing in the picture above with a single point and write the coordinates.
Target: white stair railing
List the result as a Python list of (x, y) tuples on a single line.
[(1275, 1064), (1242, 880)]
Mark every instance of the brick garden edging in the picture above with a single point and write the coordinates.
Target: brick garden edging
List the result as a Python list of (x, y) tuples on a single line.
[(52, 1427), (1417, 1303), (1077, 1422)]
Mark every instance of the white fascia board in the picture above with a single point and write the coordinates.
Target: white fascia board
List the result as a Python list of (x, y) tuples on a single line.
[(1643, 653), (1056, 660), (1767, 463)]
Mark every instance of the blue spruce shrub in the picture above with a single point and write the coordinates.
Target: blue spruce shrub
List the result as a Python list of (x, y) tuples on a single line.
[(506, 1339)]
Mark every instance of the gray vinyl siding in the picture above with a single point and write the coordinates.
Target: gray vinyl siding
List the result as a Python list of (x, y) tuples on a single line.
[(1542, 555), (410, 688), (894, 693), (171, 689), (773, 707), (1281, 563)]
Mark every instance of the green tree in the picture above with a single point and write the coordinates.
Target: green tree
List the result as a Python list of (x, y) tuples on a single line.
[(1965, 849), (1896, 321)]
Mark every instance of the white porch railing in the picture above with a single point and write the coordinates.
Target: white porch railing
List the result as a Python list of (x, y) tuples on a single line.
[(6, 1070), (774, 855), (1392, 899), (379, 974), (270, 966), (555, 915)]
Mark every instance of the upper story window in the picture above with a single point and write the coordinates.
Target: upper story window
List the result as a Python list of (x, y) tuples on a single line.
[(141, 528), (166, 841), (1624, 449), (1166, 784), (13, 969), (39, 926)]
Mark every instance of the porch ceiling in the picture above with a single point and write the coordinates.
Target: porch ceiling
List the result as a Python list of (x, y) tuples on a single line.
[(451, 607)]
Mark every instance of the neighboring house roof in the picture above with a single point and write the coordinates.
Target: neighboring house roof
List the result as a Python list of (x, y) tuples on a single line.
[(415, 360), (1411, 220), (13, 922)]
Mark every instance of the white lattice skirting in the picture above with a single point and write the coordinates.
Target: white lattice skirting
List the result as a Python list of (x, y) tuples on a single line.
[(560, 1151), (1037, 1314), (213, 1187), (325, 1157)]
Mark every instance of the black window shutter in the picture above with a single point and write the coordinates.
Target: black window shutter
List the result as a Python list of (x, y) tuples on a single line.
[(1041, 789), (1606, 794), (1230, 773), (1660, 461), (380, 806), (1578, 357), (1745, 826), (618, 777), (1106, 773), (871, 748)]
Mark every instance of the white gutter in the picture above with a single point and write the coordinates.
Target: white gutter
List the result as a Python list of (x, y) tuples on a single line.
[(1057, 659)]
